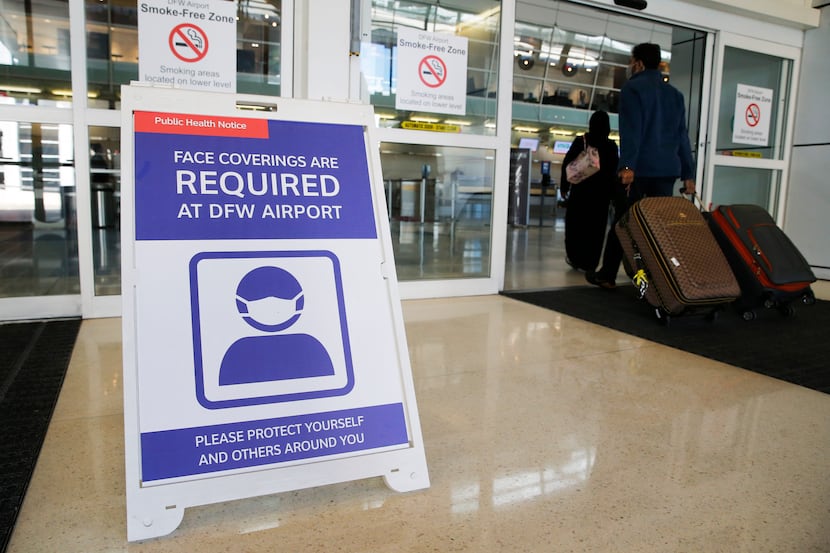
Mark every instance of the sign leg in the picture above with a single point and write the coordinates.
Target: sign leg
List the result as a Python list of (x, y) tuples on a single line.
[(152, 521), (409, 476)]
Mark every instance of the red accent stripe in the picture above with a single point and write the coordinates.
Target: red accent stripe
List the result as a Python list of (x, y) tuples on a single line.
[(199, 125), (732, 218)]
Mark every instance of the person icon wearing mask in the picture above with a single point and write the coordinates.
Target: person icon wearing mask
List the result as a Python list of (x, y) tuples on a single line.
[(271, 300)]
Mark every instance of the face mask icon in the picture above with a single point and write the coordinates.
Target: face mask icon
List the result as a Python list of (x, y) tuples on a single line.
[(269, 299), (270, 311)]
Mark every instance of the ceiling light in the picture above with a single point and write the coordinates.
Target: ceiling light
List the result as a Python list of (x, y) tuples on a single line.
[(423, 119), (24, 89), (526, 62), (634, 4)]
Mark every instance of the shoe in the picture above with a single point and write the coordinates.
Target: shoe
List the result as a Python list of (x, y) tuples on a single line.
[(576, 267), (593, 278)]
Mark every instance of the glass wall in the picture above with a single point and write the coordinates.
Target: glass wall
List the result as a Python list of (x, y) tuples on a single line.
[(34, 53), (42, 252), (379, 58), (438, 174), (35, 56), (258, 47), (439, 200), (105, 198), (38, 226), (112, 48), (112, 60), (571, 60)]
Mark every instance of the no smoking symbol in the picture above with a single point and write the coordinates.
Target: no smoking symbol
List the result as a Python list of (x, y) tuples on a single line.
[(188, 42), (753, 115), (433, 71)]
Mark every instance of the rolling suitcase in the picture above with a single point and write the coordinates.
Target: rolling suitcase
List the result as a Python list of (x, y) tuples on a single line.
[(673, 258), (770, 269)]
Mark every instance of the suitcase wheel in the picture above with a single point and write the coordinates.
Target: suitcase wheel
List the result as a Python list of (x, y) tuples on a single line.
[(662, 316), (749, 315), (769, 303), (809, 298), (787, 310)]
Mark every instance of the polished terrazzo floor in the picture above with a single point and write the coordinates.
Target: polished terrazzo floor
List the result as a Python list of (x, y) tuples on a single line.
[(542, 433)]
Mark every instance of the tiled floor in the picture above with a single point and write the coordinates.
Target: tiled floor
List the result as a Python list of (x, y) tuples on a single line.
[(542, 433)]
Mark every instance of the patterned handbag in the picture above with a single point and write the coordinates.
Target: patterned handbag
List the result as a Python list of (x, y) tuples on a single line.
[(585, 164)]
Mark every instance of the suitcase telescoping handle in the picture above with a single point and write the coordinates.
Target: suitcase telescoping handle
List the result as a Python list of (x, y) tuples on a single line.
[(692, 197)]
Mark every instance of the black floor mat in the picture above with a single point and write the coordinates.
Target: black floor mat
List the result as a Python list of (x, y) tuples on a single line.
[(33, 361), (795, 349)]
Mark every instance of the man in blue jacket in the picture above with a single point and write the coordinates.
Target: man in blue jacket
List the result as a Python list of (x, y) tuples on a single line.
[(654, 147)]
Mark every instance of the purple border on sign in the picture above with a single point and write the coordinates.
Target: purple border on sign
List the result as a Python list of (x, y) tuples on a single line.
[(197, 333), (207, 449)]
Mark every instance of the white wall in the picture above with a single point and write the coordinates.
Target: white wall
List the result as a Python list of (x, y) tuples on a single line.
[(799, 12), (807, 219), (322, 71)]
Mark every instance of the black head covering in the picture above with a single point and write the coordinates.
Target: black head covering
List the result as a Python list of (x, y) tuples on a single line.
[(600, 125)]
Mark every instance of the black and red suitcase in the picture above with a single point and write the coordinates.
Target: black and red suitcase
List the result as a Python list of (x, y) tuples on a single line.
[(770, 269), (673, 258)]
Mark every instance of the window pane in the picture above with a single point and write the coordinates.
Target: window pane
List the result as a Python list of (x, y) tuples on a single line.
[(112, 48), (34, 53), (439, 201), (258, 52), (105, 194), (378, 61), (574, 61), (755, 119), (38, 238), (744, 185)]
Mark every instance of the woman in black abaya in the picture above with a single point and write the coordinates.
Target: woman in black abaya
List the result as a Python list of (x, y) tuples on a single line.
[(586, 216)]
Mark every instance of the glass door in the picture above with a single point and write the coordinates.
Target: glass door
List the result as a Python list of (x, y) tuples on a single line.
[(752, 133), (39, 268)]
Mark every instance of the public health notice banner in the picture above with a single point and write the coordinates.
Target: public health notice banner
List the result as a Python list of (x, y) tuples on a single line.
[(262, 332)]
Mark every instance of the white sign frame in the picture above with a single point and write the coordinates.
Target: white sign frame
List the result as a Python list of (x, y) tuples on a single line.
[(156, 508)]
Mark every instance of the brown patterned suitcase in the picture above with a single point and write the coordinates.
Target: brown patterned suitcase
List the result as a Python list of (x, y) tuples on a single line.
[(673, 258)]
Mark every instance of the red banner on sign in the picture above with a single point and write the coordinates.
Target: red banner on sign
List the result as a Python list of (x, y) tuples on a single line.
[(201, 125)]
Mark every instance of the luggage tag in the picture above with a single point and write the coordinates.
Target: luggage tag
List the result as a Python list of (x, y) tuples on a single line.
[(640, 279)]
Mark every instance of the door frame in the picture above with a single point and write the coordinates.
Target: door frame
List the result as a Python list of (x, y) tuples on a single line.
[(713, 160)]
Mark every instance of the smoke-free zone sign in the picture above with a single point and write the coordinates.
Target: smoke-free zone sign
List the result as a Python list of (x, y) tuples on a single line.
[(187, 44)]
